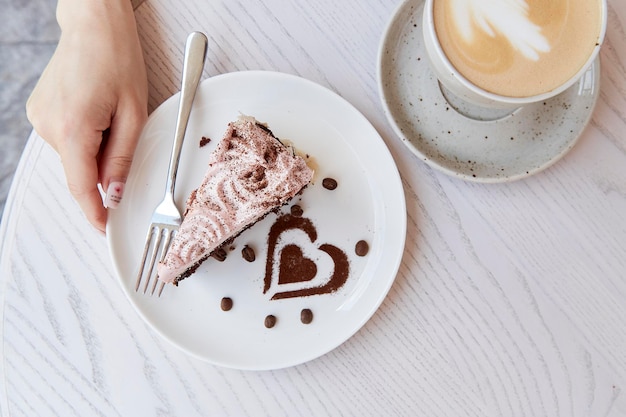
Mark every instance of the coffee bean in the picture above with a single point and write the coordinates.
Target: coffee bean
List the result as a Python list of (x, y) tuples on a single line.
[(329, 183), (296, 211), (219, 254), (248, 253), (361, 248), (306, 316), (226, 304), (270, 321)]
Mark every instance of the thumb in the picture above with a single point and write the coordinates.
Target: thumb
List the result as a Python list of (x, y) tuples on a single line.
[(117, 154), (81, 170)]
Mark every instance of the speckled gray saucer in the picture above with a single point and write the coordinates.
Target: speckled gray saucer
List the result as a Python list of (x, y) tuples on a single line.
[(465, 141)]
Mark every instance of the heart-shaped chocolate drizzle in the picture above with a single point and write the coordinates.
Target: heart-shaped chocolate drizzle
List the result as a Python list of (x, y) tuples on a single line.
[(294, 267)]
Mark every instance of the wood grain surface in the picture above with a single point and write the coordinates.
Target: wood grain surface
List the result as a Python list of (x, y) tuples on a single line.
[(510, 299)]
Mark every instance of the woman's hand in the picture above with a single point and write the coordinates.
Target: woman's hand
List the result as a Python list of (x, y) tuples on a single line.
[(90, 103)]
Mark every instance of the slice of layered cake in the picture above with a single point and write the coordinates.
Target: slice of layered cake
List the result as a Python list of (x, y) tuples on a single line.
[(250, 174)]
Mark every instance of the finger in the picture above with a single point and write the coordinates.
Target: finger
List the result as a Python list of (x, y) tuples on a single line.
[(81, 172), (117, 155)]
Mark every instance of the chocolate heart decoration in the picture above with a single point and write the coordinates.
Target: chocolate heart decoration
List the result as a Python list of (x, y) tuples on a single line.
[(294, 267)]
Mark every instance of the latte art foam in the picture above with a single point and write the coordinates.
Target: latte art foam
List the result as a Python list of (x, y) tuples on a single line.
[(518, 48), (507, 18)]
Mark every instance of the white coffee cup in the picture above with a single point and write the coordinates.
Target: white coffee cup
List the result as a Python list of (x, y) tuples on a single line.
[(512, 13)]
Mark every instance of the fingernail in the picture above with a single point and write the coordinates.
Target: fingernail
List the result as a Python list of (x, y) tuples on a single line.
[(114, 194)]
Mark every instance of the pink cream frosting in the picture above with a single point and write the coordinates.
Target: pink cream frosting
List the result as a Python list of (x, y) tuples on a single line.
[(250, 173)]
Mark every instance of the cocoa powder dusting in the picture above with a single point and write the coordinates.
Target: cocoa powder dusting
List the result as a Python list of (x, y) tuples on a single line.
[(294, 267)]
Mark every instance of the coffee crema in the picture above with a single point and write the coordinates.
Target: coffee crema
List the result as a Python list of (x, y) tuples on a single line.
[(518, 48)]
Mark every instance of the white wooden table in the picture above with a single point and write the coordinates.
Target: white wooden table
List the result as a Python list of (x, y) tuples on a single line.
[(510, 299)]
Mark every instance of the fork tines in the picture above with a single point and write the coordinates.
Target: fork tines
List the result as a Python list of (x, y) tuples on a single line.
[(157, 242)]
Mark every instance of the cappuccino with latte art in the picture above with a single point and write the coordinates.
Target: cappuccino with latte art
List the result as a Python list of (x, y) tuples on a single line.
[(517, 48)]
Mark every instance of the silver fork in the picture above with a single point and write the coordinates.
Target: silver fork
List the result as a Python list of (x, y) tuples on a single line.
[(166, 217)]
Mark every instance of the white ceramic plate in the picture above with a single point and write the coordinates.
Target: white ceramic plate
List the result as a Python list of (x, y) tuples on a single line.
[(368, 204), (465, 141)]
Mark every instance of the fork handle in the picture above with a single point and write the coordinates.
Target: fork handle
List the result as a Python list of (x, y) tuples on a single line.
[(195, 55)]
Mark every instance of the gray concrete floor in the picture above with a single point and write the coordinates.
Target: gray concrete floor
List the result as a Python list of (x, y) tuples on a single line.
[(28, 36)]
